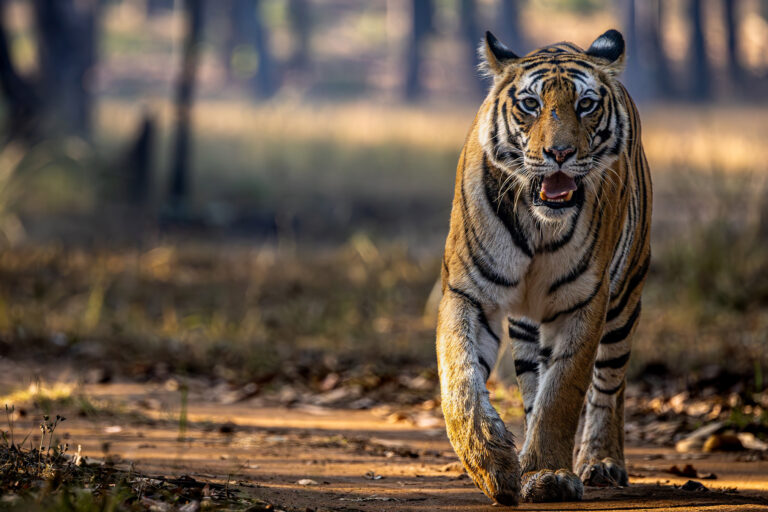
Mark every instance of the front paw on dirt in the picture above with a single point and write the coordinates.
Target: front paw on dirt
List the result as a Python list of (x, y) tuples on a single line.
[(503, 487), (605, 473), (547, 485)]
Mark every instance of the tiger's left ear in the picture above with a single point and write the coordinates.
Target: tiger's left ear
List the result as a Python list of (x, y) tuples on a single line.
[(609, 48)]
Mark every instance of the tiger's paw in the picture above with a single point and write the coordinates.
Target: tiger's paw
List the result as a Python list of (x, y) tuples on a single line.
[(608, 472), (547, 485), (500, 483), (490, 460)]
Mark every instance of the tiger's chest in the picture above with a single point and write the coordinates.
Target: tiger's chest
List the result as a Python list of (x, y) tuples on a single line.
[(550, 286), (567, 265)]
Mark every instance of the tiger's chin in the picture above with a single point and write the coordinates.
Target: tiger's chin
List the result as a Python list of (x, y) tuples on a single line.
[(555, 209)]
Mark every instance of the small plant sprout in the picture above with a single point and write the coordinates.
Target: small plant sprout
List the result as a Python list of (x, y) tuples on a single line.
[(184, 390), (9, 418)]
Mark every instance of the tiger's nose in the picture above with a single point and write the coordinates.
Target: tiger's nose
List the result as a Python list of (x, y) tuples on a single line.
[(559, 153)]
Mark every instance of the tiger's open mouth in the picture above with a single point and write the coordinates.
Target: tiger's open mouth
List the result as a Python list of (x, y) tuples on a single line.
[(557, 190)]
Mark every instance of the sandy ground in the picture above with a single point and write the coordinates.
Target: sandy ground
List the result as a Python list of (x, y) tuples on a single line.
[(312, 458)]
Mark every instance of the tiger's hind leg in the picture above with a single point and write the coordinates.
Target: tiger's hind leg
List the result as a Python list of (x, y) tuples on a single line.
[(600, 457)]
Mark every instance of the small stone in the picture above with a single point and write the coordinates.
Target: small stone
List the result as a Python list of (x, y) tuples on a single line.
[(694, 441), (722, 443), (192, 506), (227, 428), (397, 417), (688, 471), (693, 486), (750, 442), (452, 466), (307, 481)]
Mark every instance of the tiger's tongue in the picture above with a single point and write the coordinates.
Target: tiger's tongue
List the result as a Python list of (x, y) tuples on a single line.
[(557, 185)]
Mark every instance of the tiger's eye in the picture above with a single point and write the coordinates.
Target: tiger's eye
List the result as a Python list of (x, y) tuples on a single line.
[(531, 103), (586, 103)]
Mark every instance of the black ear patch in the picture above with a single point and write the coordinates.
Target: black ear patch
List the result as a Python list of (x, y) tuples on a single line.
[(499, 49), (609, 46)]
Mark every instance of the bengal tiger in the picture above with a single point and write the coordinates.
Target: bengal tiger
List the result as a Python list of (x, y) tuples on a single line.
[(549, 246)]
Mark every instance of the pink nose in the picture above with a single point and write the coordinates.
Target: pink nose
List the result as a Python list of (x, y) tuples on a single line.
[(560, 153)]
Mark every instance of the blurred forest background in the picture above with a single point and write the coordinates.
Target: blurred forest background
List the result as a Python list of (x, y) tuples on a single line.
[(257, 191)]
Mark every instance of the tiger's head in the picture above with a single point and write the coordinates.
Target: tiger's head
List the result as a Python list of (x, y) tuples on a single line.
[(555, 121)]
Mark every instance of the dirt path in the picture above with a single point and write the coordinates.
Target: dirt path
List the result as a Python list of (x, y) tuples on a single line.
[(312, 458)]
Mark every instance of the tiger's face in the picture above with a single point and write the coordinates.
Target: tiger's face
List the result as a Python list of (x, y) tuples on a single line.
[(554, 121)]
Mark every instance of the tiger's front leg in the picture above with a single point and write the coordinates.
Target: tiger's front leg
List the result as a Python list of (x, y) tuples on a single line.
[(467, 346), (568, 347)]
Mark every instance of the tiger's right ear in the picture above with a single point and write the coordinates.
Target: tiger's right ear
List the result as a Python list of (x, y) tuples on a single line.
[(496, 56)]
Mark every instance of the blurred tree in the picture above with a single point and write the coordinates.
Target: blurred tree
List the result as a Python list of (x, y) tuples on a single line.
[(653, 34), (471, 35), (157, 6), (583, 6), (510, 30), (699, 88), (66, 40), (138, 162), (250, 33), (735, 69), (185, 87), (639, 75), (633, 74), (301, 23), (20, 95), (422, 13)]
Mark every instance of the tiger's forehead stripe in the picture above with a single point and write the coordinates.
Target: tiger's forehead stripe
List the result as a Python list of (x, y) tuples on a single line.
[(551, 72)]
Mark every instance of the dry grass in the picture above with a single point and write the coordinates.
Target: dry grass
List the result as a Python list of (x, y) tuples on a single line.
[(41, 393), (229, 312), (47, 476), (727, 139)]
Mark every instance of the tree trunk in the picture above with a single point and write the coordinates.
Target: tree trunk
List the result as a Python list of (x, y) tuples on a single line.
[(21, 97), (637, 22), (266, 84), (633, 72), (700, 87), (248, 29), (158, 6), (735, 69), (179, 188), (236, 35), (138, 162), (301, 23), (421, 25), (661, 70), (510, 30), (471, 35), (66, 35)]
